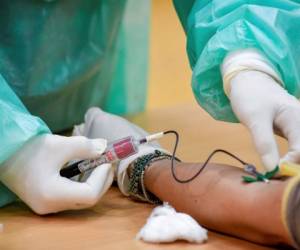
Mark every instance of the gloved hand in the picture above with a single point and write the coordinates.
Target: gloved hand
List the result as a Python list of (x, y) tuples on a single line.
[(33, 173), (111, 127), (261, 104)]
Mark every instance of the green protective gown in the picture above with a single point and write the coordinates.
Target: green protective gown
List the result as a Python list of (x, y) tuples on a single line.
[(60, 57), (216, 27)]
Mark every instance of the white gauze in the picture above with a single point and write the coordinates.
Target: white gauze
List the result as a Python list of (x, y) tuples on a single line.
[(166, 225)]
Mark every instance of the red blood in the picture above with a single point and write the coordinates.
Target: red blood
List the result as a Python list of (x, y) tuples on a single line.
[(124, 148)]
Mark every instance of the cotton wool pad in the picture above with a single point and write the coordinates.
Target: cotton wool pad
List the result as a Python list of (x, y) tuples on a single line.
[(166, 225)]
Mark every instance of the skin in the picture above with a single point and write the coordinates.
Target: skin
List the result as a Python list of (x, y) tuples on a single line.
[(220, 201)]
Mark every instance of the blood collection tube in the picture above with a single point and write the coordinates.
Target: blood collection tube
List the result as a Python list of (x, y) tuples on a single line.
[(116, 151)]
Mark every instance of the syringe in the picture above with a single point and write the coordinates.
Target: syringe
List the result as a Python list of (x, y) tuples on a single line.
[(116, 151)]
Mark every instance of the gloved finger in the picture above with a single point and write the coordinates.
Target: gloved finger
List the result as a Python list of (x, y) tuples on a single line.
[(79, 147), (102, 174), (265, 144), (293, 154), (77, 195), (288, 121), (97, 122)]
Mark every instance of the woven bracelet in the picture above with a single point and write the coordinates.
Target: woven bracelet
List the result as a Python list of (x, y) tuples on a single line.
[(137, 188)]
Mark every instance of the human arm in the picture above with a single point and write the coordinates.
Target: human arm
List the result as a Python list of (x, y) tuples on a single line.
[(220, 201)]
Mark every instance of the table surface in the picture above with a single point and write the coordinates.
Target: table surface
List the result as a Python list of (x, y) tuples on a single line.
[(115, 220)]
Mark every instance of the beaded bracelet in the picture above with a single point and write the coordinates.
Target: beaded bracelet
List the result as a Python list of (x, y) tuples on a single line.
[(136, 177)]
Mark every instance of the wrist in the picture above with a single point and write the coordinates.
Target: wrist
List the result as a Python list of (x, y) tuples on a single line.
[(137, 188), (156, 169), (145, 168), (243, 61), (122, 176)]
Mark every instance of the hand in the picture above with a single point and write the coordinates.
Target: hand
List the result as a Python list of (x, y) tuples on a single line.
[(33, 173), (99, 124), (111, 127), (262, 105)]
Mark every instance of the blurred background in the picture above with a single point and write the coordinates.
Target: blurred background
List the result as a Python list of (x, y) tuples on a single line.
[(169, 75)]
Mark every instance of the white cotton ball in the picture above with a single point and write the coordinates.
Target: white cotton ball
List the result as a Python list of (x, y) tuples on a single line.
[(163, 210), (166, 225)]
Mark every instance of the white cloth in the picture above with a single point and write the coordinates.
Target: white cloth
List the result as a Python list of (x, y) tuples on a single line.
[(33, 173), (166, 225)]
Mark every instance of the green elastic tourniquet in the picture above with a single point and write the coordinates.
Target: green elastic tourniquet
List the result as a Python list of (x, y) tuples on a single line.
[(216, 27), (59, 58)]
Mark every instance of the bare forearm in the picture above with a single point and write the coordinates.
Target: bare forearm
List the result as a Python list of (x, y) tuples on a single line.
[(219, 200)]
